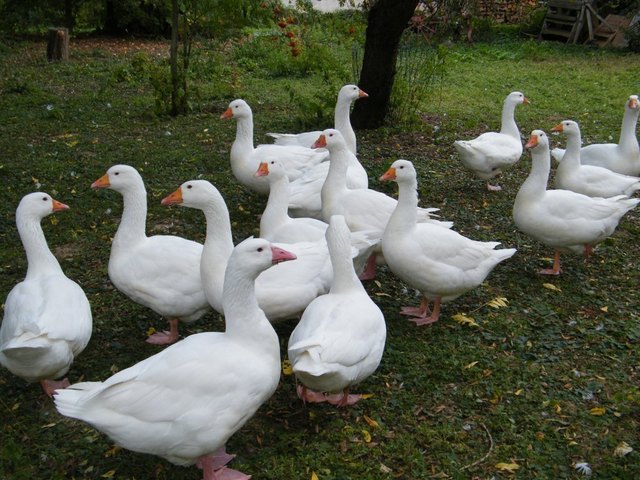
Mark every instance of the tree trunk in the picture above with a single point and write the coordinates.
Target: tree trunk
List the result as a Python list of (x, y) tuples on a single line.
[(387, 20), (58, 44), (173, 59)]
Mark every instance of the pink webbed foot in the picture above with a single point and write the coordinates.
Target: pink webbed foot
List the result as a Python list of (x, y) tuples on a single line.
[(550, 271), (216, 460), (162, 338), (425, 316), (556, 270), (166, 337), (369, 272), (309, 396), (421, 311), (493, 188), (344, 399), (50, 386), (213, 467)]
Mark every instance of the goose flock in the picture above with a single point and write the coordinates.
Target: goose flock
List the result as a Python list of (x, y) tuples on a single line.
[(323, 231)]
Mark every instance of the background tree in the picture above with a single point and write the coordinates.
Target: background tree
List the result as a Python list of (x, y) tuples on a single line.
[(387, 20)]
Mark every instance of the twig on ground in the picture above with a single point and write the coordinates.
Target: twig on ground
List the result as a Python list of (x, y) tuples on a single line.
[(486, 455)]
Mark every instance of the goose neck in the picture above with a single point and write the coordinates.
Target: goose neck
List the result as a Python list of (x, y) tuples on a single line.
[(343, 124), (344, 276), (243, 317), (218, 246), (508, 123), (404, 216), (39, 257), (571, 157), (132, 228), (628, 139), (244, 134), (536, 183), (275, 213)]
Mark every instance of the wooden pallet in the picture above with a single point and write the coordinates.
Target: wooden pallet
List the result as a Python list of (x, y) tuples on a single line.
[(565, 19)]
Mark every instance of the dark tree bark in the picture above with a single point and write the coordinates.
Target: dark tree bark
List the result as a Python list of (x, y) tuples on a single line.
[(58, 44), (173, 59), (387, 20)]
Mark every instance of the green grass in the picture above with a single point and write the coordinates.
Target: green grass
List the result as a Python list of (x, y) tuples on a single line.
[(450, 400)]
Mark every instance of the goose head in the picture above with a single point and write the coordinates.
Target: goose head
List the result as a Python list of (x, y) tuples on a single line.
[(273, 169), (237, 109), (632, 103), (119, 178), (330, 139), (400, 171), (517, 98), (568, 127), (351, 93), (194, 194), (538, 141), (39, 205), (254, 255)]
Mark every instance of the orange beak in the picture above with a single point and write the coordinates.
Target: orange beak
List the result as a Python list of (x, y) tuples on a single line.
[(533, 141), (633, 103), (263, 169), (102, 182), (388, 175), (526, 101), (362, 94), (228, 113), (58, 206), (321, 142), (558, 128), (174, 198)]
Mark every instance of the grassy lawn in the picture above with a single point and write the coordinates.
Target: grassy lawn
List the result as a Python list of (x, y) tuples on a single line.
[(549, 380)]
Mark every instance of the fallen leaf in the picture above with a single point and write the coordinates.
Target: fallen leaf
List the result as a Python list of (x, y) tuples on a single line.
[(385, 469), (498, 302), (150, 331), (314, 476), (464, 320), (604, 309), (507, 467), (366, 436), (598, 411), (371, 422), (470, 365), (551, 286), (622, 449), (287, 369), (109, 474), (518, 392)]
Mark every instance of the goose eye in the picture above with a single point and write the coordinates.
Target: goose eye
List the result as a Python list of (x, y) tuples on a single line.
[(44, 199), (117, 173), (260, 249), (189, 187)]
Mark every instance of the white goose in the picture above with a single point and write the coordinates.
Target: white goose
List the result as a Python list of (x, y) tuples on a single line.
[(364, 210), (562, 219), (275, 224), (346, 96), (283, 292), (491, 152), (160, 272), (245, 158), (440, 263), (185, 402), (622, 157), (47, 317), (340, 338), (590, 180)]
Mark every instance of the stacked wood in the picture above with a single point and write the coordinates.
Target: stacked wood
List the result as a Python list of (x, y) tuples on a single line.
[(58, 44), (506, 11)]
